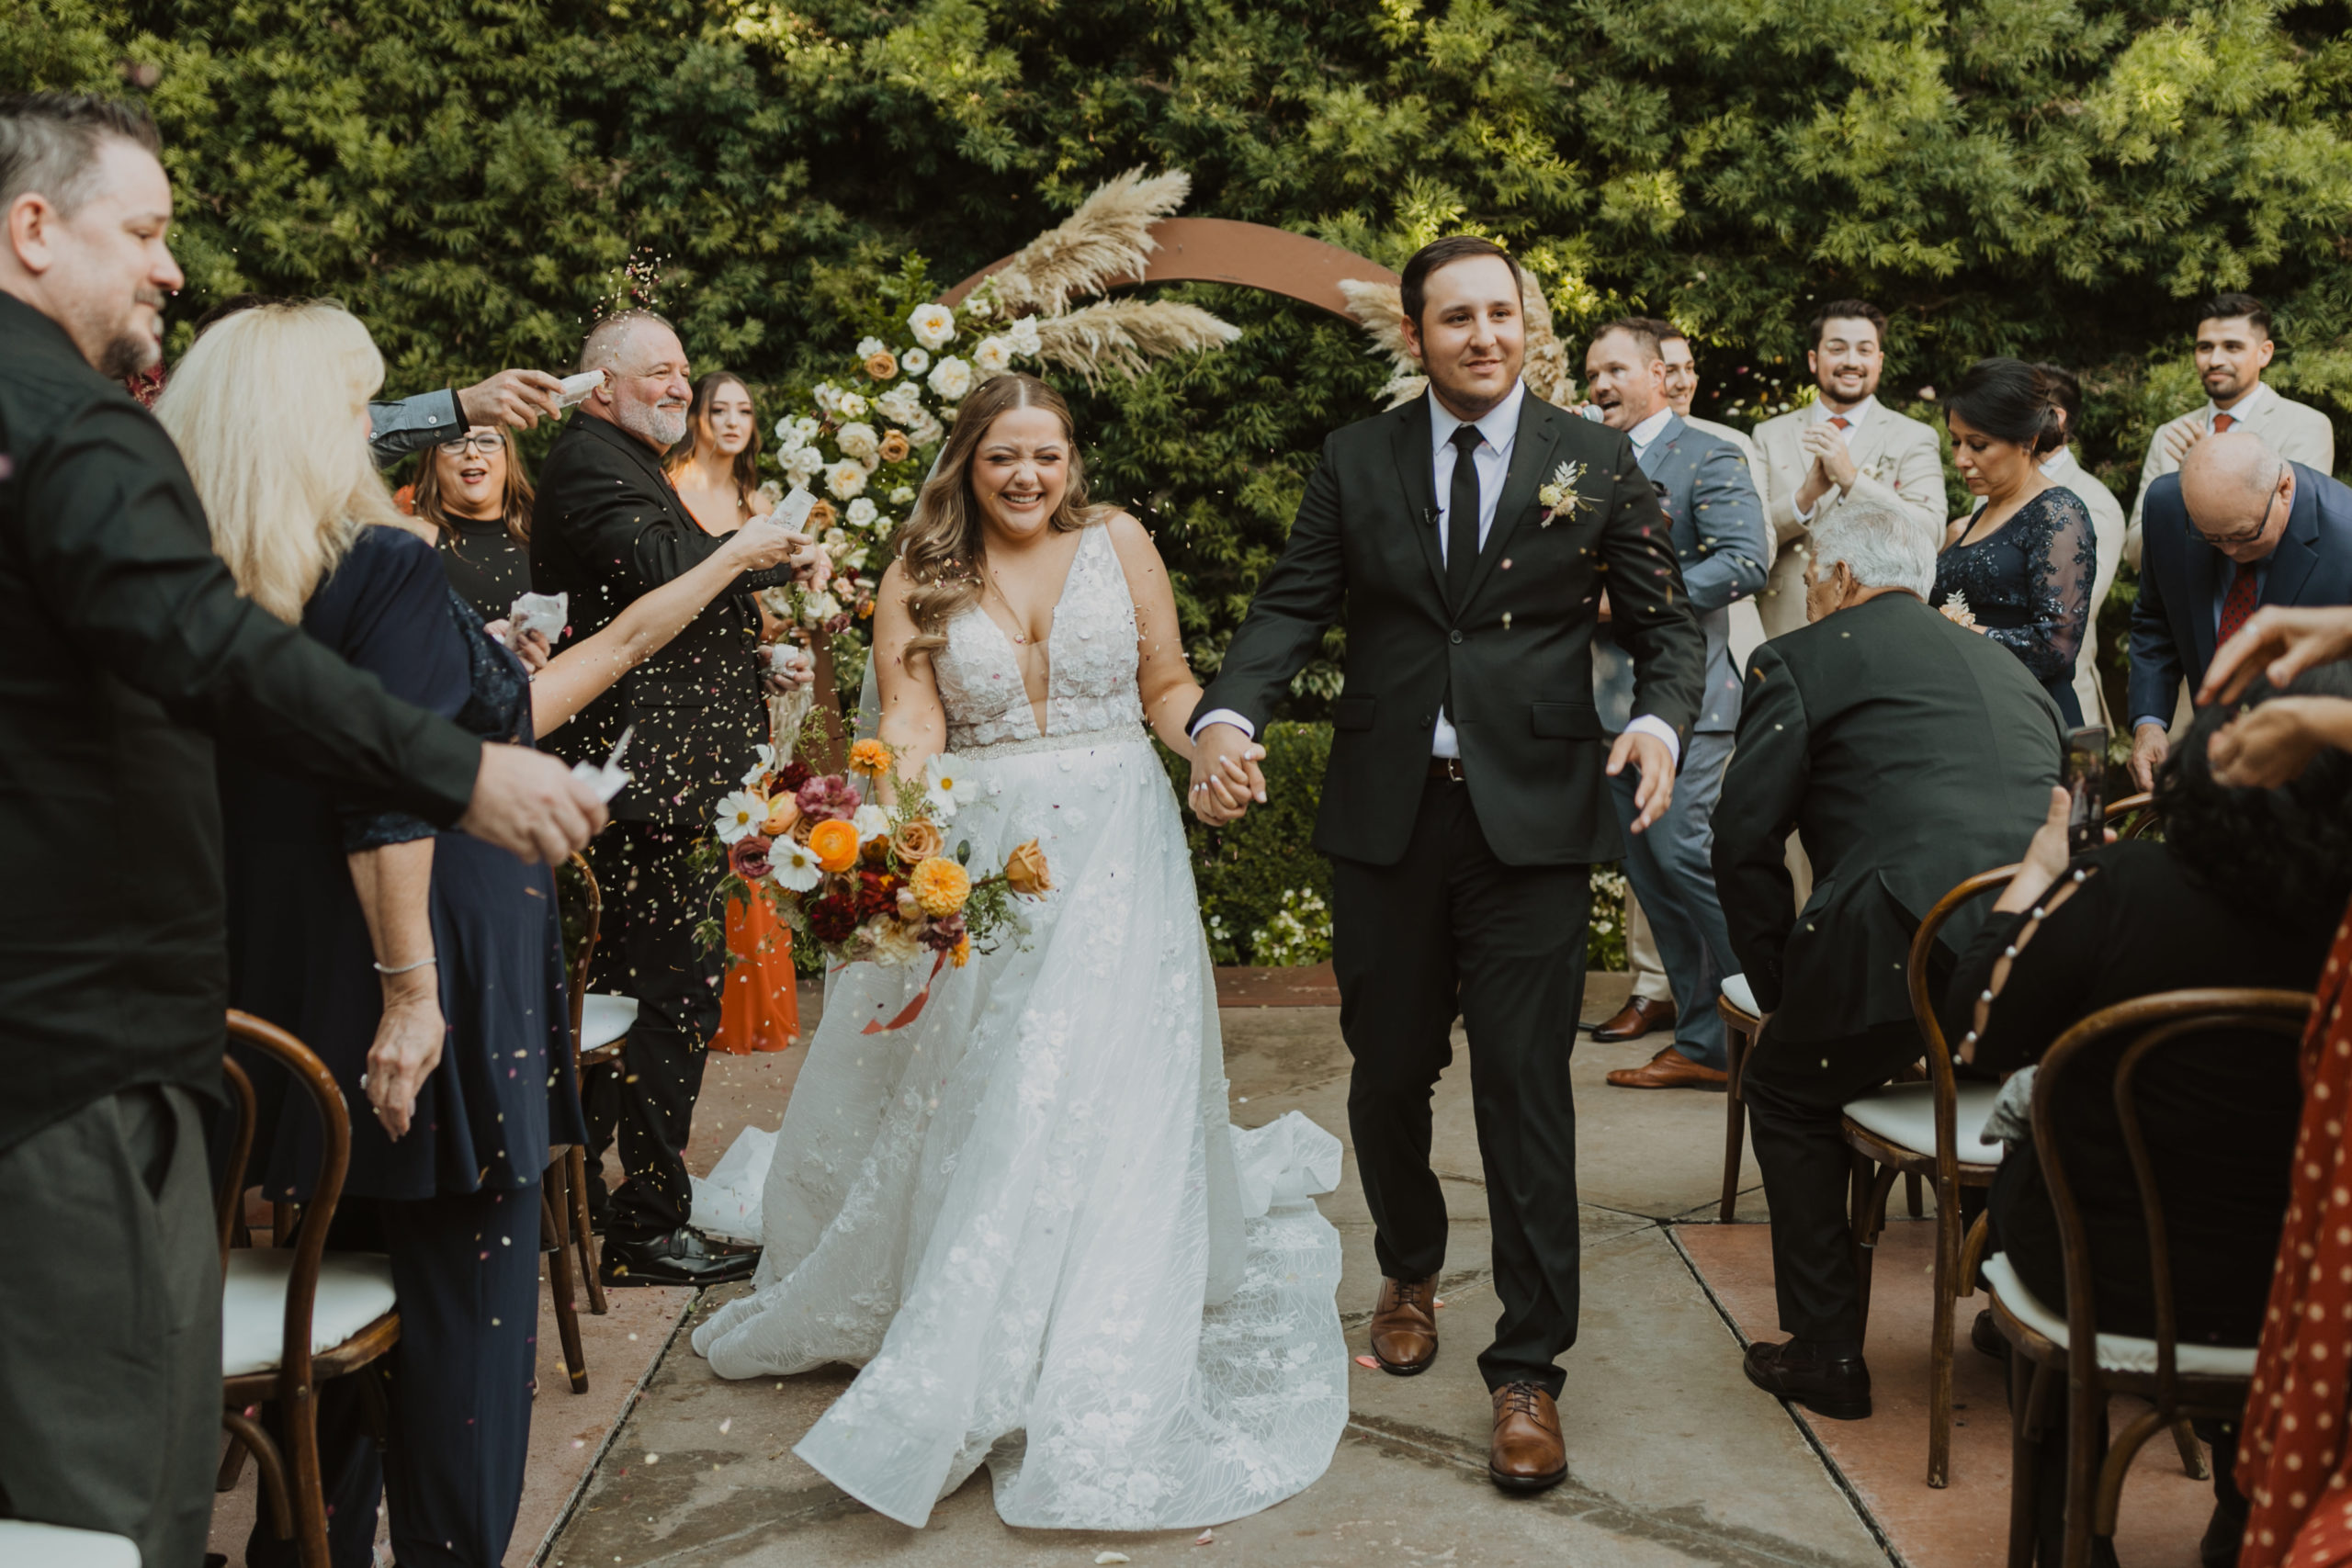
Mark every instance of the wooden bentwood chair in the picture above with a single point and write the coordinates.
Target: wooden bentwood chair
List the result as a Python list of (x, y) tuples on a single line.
[(292, 1317), (2179, 1381), (600, 1026)]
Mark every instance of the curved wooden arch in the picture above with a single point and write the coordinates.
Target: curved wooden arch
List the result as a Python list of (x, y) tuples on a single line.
[(1255, 256)]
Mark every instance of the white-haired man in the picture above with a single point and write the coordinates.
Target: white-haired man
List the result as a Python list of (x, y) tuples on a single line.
[(608, 527), (1908, 754)]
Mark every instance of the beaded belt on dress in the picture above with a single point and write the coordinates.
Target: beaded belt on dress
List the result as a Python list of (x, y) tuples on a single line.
[(1058, 741)]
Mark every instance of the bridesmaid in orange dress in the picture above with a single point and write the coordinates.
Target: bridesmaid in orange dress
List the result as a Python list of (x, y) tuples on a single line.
[(715, 471)]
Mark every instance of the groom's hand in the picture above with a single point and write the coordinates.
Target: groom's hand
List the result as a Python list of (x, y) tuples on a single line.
[(1226, 776), (1656, 790)]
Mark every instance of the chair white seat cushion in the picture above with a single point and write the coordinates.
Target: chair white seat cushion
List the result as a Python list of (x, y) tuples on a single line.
[(1741, 995), (2117, 1352), (54, 1546), (1905, 1114), (355, 1290), (604, 1017)]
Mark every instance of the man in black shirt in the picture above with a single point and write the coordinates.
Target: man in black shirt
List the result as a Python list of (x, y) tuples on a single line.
[(125, 651)]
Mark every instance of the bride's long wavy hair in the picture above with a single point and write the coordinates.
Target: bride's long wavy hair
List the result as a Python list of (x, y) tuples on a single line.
[(944, 543)]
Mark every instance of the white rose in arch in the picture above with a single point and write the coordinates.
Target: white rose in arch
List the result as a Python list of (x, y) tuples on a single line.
[(802, 466), (849, 405), (1023, 335), (827, 397), (950, 378), (903, 495), (926, 431), (861, 513), (914, 362), (804, 430), (933, 325), (859, 441), (993, 357), (846, 478), (868, 345)]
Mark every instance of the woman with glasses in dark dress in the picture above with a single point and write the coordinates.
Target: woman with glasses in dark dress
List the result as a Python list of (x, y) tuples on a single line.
[(476, 495)]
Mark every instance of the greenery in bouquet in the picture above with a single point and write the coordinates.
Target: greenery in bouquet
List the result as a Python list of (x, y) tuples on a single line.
[(869, 882)]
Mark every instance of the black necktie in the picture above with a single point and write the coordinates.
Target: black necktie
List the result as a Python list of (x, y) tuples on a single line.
[(1462, 517)]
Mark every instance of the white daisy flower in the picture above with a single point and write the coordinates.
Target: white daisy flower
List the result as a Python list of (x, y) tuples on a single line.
[(794, 868), (762, 759), (739, 816), (951, 785)]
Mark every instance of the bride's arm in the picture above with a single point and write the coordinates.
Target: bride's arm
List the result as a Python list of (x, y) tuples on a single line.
[(913, 720), (1165, 681)]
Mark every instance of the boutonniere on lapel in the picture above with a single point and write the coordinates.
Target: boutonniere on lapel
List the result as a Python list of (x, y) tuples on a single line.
[(1561, 498)]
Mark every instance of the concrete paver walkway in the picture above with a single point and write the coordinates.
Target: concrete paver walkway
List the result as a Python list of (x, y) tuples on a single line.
[(1672, 1457)]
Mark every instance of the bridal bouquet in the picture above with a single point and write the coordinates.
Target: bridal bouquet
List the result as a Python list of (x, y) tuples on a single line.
[(871, 883)]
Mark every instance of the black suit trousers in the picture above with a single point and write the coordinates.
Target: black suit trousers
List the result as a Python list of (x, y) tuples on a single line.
[(1795, 1093), (647, 950), (1447, 930)]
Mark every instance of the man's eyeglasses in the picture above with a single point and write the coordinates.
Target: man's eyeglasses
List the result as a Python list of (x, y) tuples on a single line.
[(2244, 536), (488, 441)]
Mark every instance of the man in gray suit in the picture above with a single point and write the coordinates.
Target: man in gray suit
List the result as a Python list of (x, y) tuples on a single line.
[(1717, 524)]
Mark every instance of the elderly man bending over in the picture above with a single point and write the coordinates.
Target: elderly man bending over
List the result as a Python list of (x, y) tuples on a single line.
[(1909, 753)]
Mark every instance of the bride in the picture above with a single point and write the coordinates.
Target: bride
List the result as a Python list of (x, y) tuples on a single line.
[(1024, 1213)]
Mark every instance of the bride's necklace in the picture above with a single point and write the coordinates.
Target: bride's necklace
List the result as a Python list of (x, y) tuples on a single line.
[(1018, 638)]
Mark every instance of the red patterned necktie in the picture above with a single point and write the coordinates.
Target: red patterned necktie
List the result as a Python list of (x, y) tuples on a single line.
[(1840, 420), (2222, 422), (2237, 605)]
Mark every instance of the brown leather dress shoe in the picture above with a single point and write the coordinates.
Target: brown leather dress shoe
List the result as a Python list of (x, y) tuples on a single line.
[(1404, 1325), (1638, 1018), (1527, 1454), (1669, 1069)]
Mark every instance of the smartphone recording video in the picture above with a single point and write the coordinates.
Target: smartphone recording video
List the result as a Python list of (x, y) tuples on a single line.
[(2086, 782)]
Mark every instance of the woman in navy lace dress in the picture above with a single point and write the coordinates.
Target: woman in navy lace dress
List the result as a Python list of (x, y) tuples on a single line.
[(425, 968), (2020, 568)]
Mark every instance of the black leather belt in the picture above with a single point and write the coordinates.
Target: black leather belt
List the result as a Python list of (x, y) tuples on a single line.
[(1446, 768)]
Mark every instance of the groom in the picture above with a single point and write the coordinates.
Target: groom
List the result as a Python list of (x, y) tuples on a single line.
[(1467, 536)]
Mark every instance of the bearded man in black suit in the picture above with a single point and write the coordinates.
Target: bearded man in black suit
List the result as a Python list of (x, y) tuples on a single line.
[(609, 526), (1466, 536)]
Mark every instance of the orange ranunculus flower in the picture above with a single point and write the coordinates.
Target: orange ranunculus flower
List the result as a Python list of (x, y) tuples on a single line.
[(895, 446), (1024, 869), (917, 840), (784, 816), (834, 843), (961, 954), (939, 886), (869, 757), (881, 365)]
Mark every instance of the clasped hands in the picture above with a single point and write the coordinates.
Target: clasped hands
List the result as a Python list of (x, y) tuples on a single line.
[(1833, 463), (1226, 778)]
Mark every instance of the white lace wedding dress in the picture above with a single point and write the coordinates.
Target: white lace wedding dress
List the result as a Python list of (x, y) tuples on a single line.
[(1024, 1213)]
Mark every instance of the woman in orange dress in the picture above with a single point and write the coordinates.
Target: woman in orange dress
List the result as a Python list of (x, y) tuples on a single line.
[(715, 471)]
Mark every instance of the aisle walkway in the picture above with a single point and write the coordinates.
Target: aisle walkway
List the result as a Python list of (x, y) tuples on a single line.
[(1673, 1458)]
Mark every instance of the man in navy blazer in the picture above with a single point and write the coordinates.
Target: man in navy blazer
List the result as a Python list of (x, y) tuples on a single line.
[(2236, 528), (1717, 523)]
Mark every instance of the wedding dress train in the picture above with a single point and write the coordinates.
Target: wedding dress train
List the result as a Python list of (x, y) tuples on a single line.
[(1024, 1213)]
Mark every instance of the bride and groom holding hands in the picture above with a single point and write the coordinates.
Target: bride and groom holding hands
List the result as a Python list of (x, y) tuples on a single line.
[(1025, 1214)]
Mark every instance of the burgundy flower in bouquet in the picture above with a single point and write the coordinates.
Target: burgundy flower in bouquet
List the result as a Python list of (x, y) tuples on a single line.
[(833, 918), (748, 858), (827, 799)]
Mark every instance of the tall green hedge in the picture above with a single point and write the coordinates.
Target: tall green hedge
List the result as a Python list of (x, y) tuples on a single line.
[(2055, 178)]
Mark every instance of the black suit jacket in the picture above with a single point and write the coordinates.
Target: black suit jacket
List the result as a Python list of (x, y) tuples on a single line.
[(2172, 620), (1910, 754), (125, 651), (1513, 665), (608, 526)]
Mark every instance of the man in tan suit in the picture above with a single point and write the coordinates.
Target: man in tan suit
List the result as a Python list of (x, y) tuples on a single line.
[(2232, 348), (1843, 444)]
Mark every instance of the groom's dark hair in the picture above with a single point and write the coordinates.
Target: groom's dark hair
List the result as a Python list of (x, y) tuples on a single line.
[(1413, 289)]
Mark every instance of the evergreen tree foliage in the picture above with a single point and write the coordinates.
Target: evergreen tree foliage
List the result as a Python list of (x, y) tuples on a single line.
[(2057, 179)]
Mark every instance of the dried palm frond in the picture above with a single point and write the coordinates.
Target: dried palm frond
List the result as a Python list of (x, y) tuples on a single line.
[(1108, 238), (1126, 335), (1380, 308)]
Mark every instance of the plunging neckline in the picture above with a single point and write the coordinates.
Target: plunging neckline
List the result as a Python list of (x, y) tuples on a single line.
[(1069, 576)]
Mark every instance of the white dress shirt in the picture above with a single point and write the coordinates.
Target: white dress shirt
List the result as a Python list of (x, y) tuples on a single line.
[(1855, 418), (1498, 429), (1642, 434)]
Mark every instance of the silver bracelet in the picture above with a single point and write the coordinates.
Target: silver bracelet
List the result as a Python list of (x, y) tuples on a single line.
[(406, 968)]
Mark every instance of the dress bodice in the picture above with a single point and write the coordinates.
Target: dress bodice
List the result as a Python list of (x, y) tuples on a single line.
[(1091, 662), (2028, 581)]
